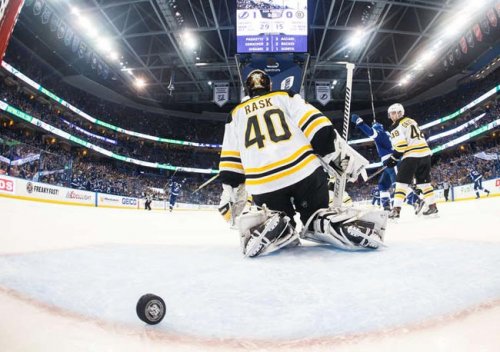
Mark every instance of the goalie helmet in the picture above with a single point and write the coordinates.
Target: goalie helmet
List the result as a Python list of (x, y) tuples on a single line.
[(397, 108), (257, 83)]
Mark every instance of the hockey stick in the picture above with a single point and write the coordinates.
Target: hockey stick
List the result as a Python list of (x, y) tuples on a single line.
[(376, 173), (371, 95), (206, 183), (338, 192)]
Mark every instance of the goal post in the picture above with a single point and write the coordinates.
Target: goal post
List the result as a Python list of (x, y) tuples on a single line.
[(9, 11)]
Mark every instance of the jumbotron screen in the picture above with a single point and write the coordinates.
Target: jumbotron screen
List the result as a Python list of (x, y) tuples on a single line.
[(271, 26)]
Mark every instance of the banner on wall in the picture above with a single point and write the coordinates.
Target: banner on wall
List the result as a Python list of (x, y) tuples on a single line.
[(463, 45), (323, 92), (29, 159), (221, 93), (487, 156)]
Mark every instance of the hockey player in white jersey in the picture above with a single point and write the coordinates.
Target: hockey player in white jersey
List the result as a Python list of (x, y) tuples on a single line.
[(413, 157), (271, 148)]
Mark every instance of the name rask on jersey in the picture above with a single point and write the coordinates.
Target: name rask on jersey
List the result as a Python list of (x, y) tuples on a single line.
[(259, 104)]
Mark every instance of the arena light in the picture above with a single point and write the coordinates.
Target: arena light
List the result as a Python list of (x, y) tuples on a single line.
[(92, 32), (84, 22), (357, 37), (437, 45), (104, 44), (75, 11), (189, 40), (456, 25), (426, 57), (114, 56), (140, 83), (405, 80), (129, 71)]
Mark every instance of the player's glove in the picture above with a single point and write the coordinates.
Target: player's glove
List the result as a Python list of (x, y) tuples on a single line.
[(356, 119), (232, 202), (391, 162)]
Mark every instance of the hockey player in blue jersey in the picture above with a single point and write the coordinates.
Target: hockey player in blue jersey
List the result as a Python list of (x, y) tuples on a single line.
[(477, 178), (383, 144), (175, 189), (375, 196)]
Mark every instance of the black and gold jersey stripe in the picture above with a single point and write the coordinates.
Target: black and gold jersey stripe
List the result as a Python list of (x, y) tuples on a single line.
[(230, 161), (312, 119), (282, 168)]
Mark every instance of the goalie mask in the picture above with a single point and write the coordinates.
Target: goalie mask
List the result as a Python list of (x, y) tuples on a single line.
[(257, 83)]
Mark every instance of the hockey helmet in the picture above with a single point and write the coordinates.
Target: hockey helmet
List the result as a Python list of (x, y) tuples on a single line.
[(258, 82), (397, 108)]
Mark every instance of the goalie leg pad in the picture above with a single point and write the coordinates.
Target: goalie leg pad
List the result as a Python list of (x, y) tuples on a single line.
[(265, 231), (347, 228)]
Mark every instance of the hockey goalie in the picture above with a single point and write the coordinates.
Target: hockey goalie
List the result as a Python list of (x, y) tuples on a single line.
[(272, 147)]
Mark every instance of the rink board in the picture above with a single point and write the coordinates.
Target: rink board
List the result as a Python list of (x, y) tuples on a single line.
[(12, 187)]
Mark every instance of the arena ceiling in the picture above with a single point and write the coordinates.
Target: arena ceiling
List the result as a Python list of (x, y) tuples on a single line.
[(149, 36)]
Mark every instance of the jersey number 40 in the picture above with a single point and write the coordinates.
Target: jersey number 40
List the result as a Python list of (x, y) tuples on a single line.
[(277, 128)]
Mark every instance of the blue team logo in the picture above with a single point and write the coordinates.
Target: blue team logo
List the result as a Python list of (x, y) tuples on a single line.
[(243, 15)]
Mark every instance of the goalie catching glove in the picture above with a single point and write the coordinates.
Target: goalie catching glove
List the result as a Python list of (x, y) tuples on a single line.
[(232, 202), (345, 160)]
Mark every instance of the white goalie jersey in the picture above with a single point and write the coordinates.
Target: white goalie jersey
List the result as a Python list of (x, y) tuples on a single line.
[(268, 141)]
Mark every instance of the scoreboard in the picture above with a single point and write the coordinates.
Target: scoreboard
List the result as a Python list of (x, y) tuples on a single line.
[(271, 26)]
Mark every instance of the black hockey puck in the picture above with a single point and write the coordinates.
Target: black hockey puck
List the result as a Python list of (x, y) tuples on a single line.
[(151, 309)]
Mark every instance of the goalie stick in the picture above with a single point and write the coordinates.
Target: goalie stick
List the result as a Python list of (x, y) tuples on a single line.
[(338, 192)]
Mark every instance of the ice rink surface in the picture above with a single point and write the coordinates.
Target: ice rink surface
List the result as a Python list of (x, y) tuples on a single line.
[(70, 278)]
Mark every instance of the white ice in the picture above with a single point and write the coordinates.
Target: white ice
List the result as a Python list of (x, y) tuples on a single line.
[(70, 278)]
